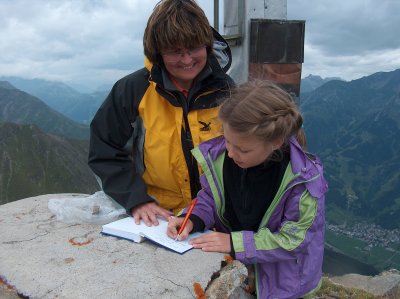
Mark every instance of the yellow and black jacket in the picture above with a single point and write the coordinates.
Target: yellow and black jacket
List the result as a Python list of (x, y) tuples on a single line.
[(142, 134)]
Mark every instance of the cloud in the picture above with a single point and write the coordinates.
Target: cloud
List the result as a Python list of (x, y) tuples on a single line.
[(348, 39), (72, 40), (96, 42)]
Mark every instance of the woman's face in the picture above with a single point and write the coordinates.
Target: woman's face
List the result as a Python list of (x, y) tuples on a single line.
[(185, 64), (247, 151)]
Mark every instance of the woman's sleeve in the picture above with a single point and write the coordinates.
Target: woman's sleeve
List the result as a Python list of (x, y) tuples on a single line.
[(109, 155)]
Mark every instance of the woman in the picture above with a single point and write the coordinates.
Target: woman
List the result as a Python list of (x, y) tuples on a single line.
[(165, 109)]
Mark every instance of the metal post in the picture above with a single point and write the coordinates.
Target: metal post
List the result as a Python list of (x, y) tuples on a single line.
[(216, 15)]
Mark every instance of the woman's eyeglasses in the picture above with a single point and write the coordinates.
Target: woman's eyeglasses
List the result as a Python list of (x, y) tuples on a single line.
[(175, 56)]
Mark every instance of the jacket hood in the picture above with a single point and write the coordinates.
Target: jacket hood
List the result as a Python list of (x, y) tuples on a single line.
[(310, 169), (221, 51)]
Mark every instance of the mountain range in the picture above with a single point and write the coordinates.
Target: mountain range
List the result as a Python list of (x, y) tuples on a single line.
[(34, 163), (312, 82), (41, 150), (75, 105), (19, 107), (81, 107), (355, 128)]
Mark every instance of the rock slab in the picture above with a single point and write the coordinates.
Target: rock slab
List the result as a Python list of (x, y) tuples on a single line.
[(41, 257)]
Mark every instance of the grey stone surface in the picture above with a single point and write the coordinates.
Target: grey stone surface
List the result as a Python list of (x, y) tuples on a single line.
[(41, 257)]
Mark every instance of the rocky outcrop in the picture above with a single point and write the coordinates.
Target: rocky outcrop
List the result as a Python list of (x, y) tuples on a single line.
[(230, 282), (386, 284)]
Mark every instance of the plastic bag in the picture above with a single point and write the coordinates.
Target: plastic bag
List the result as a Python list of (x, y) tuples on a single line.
[(97, 208)]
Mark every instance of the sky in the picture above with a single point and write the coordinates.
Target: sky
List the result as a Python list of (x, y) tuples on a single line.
[(89, 44)]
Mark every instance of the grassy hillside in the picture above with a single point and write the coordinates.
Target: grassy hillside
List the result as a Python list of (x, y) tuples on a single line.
[(34, 163), (355, 128)]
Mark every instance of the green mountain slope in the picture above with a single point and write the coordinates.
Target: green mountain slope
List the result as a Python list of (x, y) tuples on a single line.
[(355, 128), (34, 163)]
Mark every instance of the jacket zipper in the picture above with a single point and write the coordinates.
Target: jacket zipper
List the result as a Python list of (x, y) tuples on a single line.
[(243, 189)]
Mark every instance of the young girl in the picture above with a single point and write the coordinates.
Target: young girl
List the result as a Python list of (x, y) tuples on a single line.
[(262, 193)]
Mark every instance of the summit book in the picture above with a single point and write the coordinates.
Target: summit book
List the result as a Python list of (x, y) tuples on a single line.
[(126, 228)]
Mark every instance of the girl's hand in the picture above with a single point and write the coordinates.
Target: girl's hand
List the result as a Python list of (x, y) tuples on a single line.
[(174, 223), (219, 242)]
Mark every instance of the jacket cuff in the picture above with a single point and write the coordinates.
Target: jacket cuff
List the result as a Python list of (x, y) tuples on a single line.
[(198, 224)]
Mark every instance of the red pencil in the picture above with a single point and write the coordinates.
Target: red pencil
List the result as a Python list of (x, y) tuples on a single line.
[(189, 212)]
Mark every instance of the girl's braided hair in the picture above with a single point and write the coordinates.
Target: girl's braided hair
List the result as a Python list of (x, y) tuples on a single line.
[(263, 109)]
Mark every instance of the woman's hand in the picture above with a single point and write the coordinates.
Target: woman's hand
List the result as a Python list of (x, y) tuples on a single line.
[(174, 223), (218, 242), (148, 212)]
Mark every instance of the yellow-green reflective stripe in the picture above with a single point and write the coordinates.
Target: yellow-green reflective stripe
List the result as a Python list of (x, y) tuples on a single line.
[(287, 178), (237, 240), (217, 167), (292, 233)]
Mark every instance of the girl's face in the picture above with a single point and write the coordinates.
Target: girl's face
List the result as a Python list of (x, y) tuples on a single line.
[(248, 151), (185, 64)]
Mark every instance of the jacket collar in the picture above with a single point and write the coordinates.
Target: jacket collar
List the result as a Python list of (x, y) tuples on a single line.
[(306, 168)]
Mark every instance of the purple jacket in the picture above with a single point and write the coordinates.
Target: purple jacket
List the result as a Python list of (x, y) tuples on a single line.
[(287, 250)]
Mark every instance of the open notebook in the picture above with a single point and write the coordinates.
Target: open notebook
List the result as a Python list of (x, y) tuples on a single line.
[(126, 228)]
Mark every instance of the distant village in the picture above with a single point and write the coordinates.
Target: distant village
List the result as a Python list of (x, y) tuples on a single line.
[(372, 234)]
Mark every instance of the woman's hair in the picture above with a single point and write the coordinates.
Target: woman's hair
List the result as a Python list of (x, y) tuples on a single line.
[(263, 109), (176, 24)]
